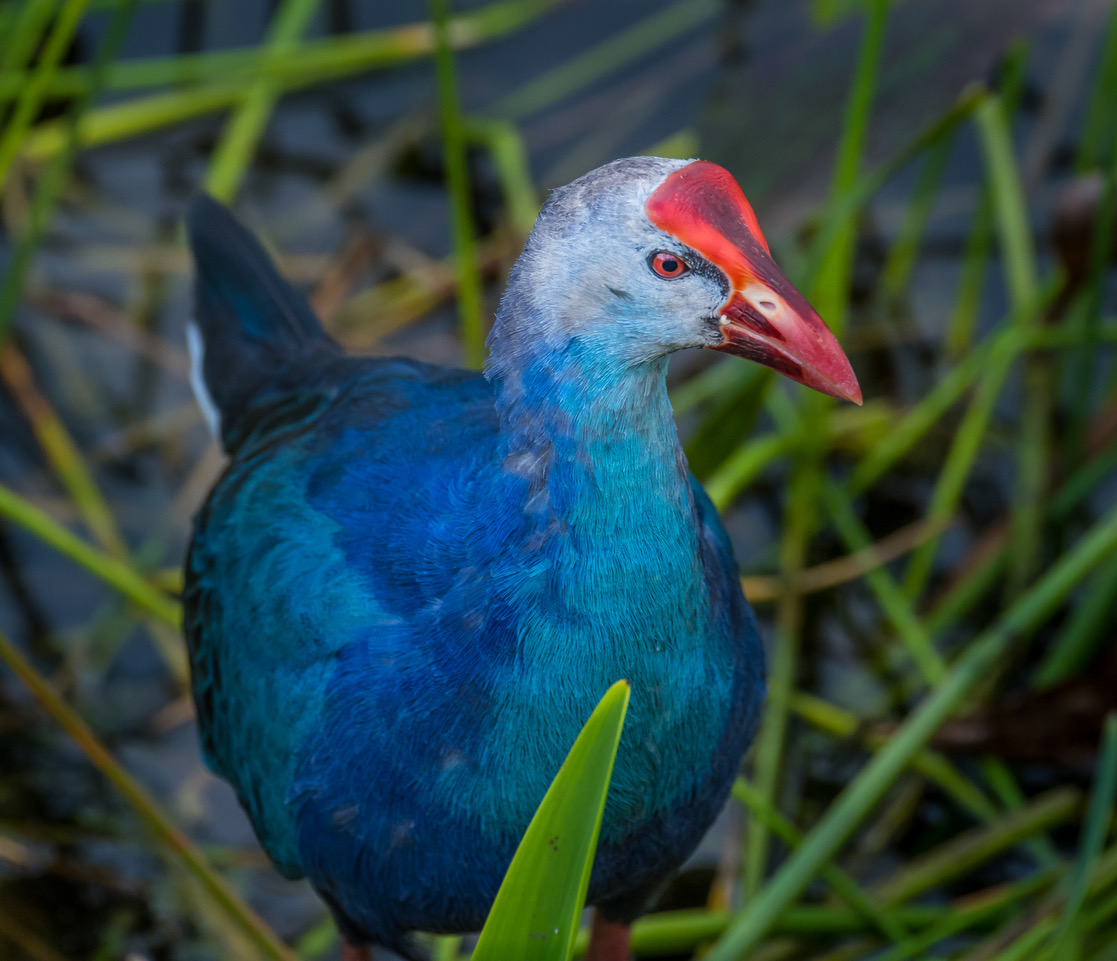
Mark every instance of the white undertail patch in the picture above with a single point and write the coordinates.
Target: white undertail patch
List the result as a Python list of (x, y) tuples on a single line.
[(197, 348)]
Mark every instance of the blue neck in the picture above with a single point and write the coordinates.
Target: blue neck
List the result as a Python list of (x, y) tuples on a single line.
[(610, 581), (595, 441), (605, 430)]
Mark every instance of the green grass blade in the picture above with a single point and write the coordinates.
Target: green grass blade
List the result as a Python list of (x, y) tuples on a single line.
[(921, 418), (32, 94), (829, 293), (61, 452), (599, 61), (961, 457), (965, 917), (58, 170), (963, 318), (1093, 834), (311, 62), (1099, 136), (535, 915), (967, 303), (506, 147), (470, 307), (935, 767), (1085, 632), (1018, 251), (244, 129), (112, 571), (842, 884), (743, 465), (1017, 246), (911, 631), (965, 852), (1086, 313), (22, 30), (855, 803), (155, 819), (848, 206), (829, 289), (896, 273)]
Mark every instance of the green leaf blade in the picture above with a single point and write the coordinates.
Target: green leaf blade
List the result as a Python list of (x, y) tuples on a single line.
[(536, 911)]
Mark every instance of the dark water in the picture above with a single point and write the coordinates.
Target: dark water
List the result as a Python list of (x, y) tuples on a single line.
[(762, 86)]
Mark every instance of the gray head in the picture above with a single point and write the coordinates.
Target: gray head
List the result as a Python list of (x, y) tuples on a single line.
[(645, 256)]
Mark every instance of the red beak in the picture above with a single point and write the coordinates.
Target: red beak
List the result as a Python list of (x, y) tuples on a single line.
[(765, 318)]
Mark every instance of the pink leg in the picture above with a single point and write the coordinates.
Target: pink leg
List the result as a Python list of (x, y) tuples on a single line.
[(355, 952), (608, 940)]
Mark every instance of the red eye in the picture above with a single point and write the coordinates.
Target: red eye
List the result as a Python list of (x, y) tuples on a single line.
[(667, 265)]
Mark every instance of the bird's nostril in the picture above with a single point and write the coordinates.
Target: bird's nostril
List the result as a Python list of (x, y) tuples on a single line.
[(766, 305)]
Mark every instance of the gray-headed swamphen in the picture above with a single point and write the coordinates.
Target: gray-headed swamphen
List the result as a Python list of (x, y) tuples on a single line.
[(412, 584)]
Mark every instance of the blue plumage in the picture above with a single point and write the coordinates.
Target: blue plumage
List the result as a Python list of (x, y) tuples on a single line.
[(411, 585)]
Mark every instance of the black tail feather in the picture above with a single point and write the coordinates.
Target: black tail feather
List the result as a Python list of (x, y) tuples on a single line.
[(252, 324)]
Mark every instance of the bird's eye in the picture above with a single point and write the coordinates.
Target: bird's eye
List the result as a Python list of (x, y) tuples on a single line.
[(667, 265)]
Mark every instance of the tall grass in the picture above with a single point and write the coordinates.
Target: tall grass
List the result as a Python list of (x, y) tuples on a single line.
[(964, 624)]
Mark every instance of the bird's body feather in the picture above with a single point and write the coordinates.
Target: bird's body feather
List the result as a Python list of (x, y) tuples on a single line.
[(411, 585), (421, 630)]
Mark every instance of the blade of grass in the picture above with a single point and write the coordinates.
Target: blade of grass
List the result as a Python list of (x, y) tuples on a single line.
[(974, 580), (536, 911), (321, 58), (866, 789), (145, 806), (680, 932), (963, 318), (1085, 632), (962, 456), (1093, 834), (959, 340), (970, 849), (242, 133), (829, 289), (842, 570), (117, 574), (53, 179), (1015, 235), (32, 94), (935, 767), (578, 72), (26, 940), (61, 452), (842, 884), (902, 256), (1008, 204), (956, 922), (470, 307), (315, 62), (909, 628), (829, 292), (1099, 133), (23, 34), (841, 210), (446, 948), (506, 147), (1033, 445), (745, 464), (1086, 313)]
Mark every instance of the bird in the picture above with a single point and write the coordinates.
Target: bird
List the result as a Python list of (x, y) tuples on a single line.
[(411, 584)]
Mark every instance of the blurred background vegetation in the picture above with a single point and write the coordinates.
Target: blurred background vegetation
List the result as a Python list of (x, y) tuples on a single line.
[(936, 572)]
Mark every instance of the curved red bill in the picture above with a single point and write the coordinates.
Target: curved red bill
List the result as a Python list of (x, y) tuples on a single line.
[(765, 318)]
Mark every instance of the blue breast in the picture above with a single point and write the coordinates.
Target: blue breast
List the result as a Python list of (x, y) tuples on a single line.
[(427, 612)]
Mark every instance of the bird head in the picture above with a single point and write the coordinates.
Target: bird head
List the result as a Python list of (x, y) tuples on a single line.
[(645, 256)]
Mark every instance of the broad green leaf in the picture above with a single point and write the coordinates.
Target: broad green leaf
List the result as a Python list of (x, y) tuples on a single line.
[(536, 911)]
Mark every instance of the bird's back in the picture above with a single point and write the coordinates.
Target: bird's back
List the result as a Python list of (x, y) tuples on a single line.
[(318, 499)]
